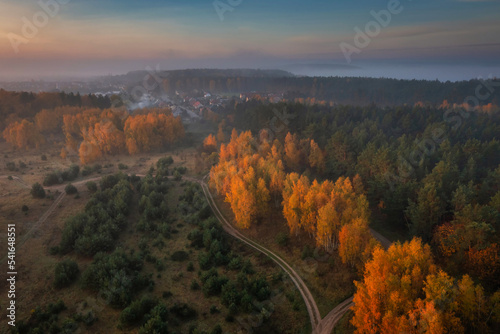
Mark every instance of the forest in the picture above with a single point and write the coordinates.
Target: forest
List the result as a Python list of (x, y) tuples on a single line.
[(424, 173), (428, 175), (330, 90)]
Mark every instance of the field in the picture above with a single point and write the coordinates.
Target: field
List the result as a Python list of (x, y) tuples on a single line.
[(172, 280)]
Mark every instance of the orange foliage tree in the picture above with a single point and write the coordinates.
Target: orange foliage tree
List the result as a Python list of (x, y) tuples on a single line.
[(243, 173), (23, 135), (468, 245), (210, 143), (322, 209), (292, 153), (403, 291), (356, 243), (317, 157), (96, 132), (295, 190), (48, 120), (151, 131), (485, 262), (392, 282)]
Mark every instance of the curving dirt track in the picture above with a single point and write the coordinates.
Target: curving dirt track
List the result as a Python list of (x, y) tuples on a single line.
[(312, 308)]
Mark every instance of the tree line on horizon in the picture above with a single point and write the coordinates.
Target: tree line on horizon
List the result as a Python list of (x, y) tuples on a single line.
[(357, 91)]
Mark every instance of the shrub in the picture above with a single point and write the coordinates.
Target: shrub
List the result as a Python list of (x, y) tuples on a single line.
[(70, 189), (248, 268), (230, 294), (235, 263), (195, 285), (118, 271), (65, 273), (86, 171), (190, 266), (122, 166), (134, 313), (180, 256), (110, 181), (37, 191), (164, 162), (182, 170), (217, 330), (157, 321), (91, 186), (183, 311), (72, 173), (44, 157), (11, 166), (22, 164), (213, 286), (214, 309), (52, 178), (25, 209)]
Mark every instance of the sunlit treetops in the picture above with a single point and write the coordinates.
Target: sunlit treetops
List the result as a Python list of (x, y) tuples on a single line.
[(251, 176), (94, 132)]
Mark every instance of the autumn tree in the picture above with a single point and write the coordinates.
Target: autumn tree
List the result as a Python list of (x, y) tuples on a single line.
[(294, 191), (316, 157), (356, 243), (23, 135), (393, 280), (242, 202), (292, 153), (210, 143), (48, 121), (404, 292), (469, 247), (64, 153)]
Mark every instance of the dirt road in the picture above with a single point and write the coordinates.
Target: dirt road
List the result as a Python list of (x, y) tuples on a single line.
[(311, 306)]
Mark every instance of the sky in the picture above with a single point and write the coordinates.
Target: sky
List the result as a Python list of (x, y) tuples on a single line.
[(435, 39)]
